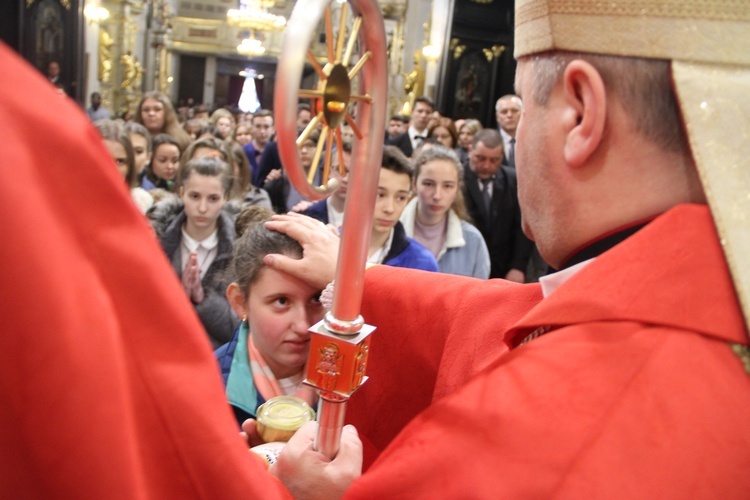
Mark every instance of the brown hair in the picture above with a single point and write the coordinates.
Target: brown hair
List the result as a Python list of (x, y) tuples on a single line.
[(111, 130), (171, 123), (441, 153), (256, 242)]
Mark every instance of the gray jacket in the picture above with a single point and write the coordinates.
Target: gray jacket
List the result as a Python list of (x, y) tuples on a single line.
[(218, 318)]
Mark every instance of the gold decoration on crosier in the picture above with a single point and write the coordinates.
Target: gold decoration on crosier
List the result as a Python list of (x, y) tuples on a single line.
[(743, 352)]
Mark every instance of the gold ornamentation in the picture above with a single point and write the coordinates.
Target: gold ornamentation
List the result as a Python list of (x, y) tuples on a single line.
[(105, 56), (127, 61), (64, 3), (457, 48), (493, 52)]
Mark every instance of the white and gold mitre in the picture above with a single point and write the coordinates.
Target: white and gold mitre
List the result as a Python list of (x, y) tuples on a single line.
[(708, 42)]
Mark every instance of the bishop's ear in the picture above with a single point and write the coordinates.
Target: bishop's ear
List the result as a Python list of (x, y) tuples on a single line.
[(585, 97), (236, 299)]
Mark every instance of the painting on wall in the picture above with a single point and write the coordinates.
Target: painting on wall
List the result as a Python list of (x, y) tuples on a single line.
[(470, 94), (51, 31)]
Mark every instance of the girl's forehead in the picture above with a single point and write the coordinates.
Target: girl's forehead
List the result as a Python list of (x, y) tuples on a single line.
[(270, 282), (168, 148), (195, 179), (439, 167)]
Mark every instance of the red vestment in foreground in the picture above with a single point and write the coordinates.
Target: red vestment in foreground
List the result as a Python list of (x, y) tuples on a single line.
[(635, 392), (108, 386)]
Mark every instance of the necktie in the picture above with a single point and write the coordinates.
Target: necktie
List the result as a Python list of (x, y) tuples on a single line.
[(512, 153), (486, 194)]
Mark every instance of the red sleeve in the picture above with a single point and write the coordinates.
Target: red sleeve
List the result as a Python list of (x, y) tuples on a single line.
[(431, 338), (108, 386)]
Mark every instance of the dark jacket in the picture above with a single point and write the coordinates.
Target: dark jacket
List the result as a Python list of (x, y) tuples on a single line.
[(278, 192), (318, 211), (402, 142), (405, 252), (269, 160), (509, 248), (217, 317)]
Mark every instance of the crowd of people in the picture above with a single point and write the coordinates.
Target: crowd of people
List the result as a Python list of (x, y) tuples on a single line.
[(447, 195), (624, 374)]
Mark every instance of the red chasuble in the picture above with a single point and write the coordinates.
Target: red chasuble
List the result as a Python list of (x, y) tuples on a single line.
[(108, 386), (635, 392)]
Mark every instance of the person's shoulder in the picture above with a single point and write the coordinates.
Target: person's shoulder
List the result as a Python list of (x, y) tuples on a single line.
[(163, 213), (422, 257), (398, 139), (470, 230), (318, 210), (249, 149), (226, 227)]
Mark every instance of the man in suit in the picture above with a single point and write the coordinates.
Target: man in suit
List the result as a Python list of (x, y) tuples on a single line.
[(508, 113), (492, 201), (417, 131)]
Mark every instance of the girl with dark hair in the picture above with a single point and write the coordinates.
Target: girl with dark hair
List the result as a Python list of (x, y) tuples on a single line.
[(267, 354), (197, 237), (162, 169)]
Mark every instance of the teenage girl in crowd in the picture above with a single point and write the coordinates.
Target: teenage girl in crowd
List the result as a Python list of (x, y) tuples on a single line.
[(141, 140), (437, 217), (118, 143), (165, 160), (224, 122), (242, 193), (243, 134), (197, 237), (267, 354), (466, 133), (155, 112), (445, 132)]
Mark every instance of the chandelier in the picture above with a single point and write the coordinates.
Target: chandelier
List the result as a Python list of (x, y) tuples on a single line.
[(251, 47), (255, 17)]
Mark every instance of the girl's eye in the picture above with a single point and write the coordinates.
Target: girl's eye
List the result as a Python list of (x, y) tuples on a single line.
[(282, 301), (214, 198), (194, 196)]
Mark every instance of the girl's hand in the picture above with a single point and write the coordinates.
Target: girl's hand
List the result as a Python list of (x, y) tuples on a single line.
[(187, 278), (191, 279)]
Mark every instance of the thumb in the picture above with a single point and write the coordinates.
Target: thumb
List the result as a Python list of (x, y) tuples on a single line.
[(350, 450)]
